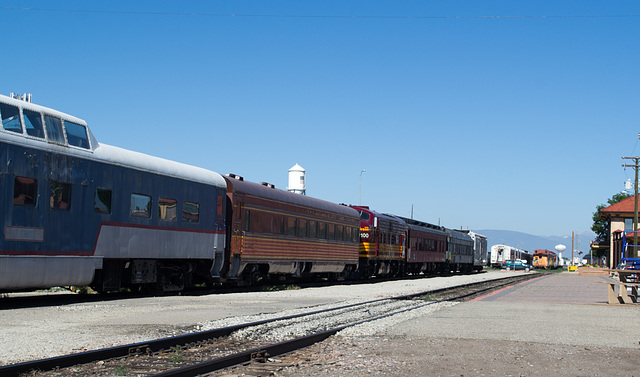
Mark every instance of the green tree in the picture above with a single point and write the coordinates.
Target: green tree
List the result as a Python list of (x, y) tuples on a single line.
[(601, 226)]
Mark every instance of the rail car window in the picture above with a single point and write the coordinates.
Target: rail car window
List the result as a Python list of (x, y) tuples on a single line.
[(25, 191), (167, 209), (322, 230), (54, 129), (102, 201), (266, 223), (260, 222), (302, 228), (140, 206), (331, 231), (76, 134), (313, 229), (10, 118), (33, 123), (191, 212), (277, 224), (291, 226), (339, 233), (247, 220), (347, 234), (364, 216), (59, 195)]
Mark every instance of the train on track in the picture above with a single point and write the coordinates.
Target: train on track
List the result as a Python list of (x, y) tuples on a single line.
[(79, 213), (501, 253), (547, 259)]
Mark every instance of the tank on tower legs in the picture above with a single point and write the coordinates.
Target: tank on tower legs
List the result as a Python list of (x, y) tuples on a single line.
[(297, 180)]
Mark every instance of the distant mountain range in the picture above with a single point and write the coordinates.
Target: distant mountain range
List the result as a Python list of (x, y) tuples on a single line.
[(530, 242)]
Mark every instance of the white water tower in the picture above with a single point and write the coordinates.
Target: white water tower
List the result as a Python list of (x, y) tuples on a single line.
[(297, 180), (560, 248)]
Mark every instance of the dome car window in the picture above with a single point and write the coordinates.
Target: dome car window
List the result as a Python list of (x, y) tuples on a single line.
[(10, 118), (33, 123), (76, 134), (54, 129)]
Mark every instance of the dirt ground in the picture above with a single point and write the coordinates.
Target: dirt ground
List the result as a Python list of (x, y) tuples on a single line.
[(380, 356)]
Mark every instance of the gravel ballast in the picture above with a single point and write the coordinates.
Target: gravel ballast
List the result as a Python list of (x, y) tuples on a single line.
[(38, 332), (444, 339)]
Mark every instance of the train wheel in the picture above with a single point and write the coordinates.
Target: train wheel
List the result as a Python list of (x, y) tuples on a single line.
[(251, 276), (172, 278), (148, 288)]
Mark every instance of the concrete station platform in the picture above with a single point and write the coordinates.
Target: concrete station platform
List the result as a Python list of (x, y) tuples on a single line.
[(558, 308), (556, 325), (562, 288)]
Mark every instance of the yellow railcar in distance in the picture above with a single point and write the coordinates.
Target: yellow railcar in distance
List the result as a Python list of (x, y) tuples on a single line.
[(543, 258)]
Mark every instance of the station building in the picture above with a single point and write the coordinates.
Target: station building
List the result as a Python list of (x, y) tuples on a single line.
[(620, 219)]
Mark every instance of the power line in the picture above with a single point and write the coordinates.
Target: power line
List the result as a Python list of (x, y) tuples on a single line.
[(200, 14)]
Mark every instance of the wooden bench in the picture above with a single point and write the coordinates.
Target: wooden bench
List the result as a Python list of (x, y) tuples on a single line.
[(624, 297)]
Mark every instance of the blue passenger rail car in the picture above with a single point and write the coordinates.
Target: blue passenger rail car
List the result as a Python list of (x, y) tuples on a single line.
[(460, 251), (77, 212), (480, 251)]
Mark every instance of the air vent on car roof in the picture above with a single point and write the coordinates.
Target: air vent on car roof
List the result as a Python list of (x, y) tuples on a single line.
[(238, 177)]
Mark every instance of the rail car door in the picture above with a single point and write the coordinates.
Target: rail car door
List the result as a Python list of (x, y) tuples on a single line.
[(24, 191), (67, 204), (236, 228)]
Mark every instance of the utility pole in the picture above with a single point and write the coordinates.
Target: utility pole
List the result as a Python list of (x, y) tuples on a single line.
[(360, 188), (572, 247), (634, 250)]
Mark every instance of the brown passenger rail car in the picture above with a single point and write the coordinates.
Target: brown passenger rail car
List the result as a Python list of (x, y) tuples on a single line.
[(277, 232)]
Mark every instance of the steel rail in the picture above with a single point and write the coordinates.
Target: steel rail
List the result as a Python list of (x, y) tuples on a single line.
[(250, 355), (305, 341), (180, 340)]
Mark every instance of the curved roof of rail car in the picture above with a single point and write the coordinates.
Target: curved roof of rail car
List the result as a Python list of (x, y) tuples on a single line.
[(425, 229), (109, 154), (378, 214), (459, 235), (423, 226), (262, 191), (139, 161)]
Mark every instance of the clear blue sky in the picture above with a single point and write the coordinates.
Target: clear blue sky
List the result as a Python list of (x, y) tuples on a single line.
[(506, 115)]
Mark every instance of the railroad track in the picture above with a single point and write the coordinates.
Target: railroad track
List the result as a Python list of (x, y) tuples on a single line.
[(208, 351)]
